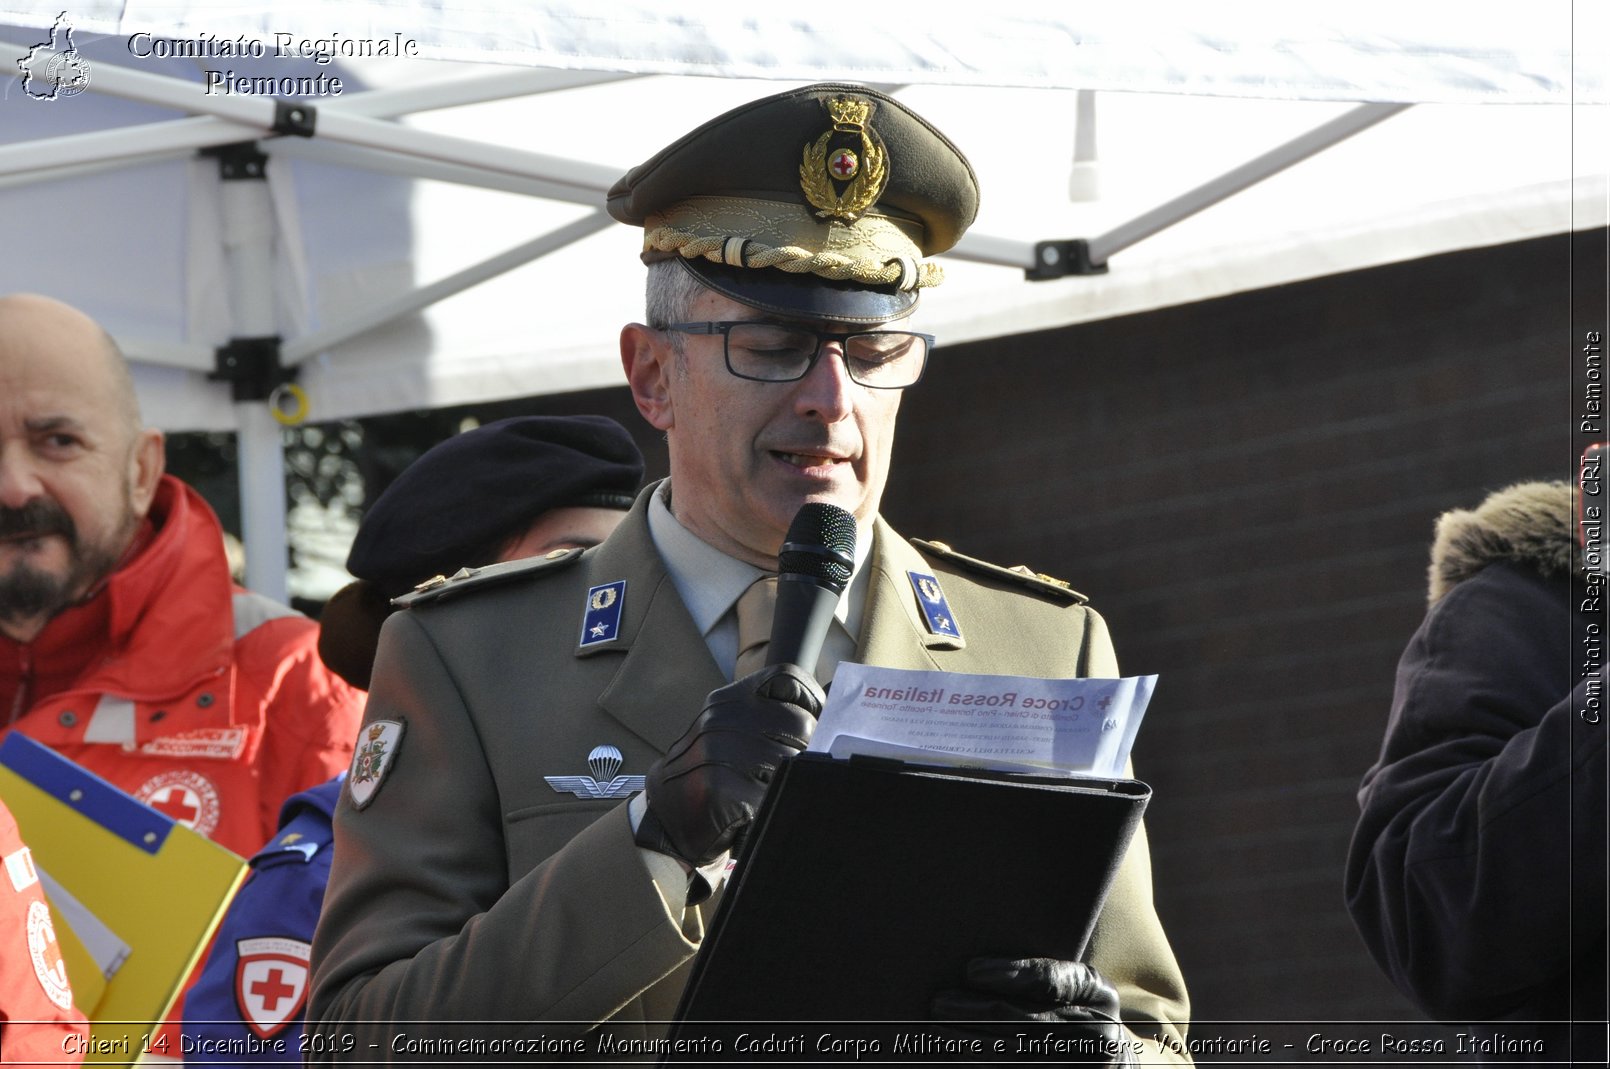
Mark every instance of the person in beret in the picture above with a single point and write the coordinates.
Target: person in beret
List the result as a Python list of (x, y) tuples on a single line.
[(514, 488), (505, 490), (560, 757)]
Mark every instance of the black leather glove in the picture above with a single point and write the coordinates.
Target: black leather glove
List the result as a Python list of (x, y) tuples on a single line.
[(1043, 991), (705, 791)]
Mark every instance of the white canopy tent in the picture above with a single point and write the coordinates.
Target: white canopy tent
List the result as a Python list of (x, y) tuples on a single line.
[(439, 239)]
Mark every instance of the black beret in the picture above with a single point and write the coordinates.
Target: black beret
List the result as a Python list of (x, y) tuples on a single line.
[(819, 201), (453, 507), (486, 484)]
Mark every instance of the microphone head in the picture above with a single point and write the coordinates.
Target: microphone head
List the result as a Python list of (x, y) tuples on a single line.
[(820, 546)]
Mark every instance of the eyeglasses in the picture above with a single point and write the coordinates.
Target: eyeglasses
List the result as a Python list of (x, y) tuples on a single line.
[(775, 352)]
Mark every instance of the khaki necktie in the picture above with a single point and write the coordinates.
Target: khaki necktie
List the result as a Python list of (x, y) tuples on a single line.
[(755, 608)]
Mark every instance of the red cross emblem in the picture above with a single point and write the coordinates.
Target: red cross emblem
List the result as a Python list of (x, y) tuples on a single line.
[(844, 164), (271, 982), (184, 797), (180, 804), (272, 989)]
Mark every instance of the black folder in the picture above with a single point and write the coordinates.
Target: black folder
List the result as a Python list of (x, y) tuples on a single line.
[(866, 885)]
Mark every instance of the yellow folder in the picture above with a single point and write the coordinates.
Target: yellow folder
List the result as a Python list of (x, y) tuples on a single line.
[(134, 895)]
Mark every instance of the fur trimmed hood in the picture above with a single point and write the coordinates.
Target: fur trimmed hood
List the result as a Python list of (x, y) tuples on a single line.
[(1531, 524)]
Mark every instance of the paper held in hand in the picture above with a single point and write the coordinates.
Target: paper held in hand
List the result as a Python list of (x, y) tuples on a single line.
[(1081, 727)]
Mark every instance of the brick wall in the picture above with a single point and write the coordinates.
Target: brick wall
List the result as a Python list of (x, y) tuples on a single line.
[(1246, 487)]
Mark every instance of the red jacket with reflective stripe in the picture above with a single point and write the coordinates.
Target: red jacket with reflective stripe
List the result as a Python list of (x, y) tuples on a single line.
[(194, 695)]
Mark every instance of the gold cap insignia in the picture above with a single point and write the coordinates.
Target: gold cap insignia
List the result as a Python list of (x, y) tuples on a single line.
[(863, 165)]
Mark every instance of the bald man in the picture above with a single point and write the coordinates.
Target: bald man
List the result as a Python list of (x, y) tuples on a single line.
[(124, 645)]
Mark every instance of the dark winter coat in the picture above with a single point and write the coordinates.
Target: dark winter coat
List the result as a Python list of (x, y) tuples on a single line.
[(1477, 871)]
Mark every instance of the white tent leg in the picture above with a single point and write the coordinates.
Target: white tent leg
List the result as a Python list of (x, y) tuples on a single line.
[(1084, 178), (261, 461), (248, 224)]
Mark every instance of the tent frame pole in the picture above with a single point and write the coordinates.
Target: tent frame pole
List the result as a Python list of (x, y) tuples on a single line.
[(248, 235), (1233, 181), (1060, 258), (246, 118), (416, 300)]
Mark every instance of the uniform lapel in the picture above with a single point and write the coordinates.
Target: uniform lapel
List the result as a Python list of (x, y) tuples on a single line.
[(893, 634), (665, 668)]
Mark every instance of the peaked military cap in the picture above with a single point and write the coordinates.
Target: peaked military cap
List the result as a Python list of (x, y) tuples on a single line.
[(820, 202)]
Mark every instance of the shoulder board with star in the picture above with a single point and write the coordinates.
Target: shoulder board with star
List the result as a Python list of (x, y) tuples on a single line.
[(1020, 576), (465, 580)]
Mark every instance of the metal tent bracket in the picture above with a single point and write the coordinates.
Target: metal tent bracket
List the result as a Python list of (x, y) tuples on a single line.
[(295, 118), (240, 161), (252, 367), (1059, 259)]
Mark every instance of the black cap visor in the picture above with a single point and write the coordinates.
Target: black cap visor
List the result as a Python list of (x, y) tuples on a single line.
[(804, 296)]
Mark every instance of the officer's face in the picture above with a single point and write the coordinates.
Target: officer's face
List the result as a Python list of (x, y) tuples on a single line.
[(76, 474), (746, 455)]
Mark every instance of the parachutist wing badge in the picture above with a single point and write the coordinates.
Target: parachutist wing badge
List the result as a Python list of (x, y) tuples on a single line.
[(587, 787), (580, 786), (621, 786), (604, 762)]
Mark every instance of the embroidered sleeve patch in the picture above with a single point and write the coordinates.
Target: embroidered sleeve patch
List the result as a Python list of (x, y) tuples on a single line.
[(375, 756), (49, 968), (271, 982)]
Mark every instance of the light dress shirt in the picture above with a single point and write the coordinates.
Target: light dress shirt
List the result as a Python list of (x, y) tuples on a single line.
[(710, 584)]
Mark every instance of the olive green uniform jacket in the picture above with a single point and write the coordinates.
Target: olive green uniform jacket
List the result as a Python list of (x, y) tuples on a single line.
[(469, 889)]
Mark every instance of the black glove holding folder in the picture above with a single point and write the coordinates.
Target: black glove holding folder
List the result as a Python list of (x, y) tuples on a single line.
[(1042, 991), (703, 794)]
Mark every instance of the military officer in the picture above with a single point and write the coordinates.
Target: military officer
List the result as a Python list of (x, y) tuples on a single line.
[(482, 874)]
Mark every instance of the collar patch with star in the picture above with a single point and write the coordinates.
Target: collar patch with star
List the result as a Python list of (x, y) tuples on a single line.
[(935, 609), (601, 616)]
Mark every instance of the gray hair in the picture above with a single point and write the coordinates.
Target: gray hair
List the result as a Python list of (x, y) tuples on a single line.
[(670, 293)]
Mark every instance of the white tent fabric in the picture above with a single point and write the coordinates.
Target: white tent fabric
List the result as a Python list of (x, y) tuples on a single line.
[(1382, 50), (1507, 138)]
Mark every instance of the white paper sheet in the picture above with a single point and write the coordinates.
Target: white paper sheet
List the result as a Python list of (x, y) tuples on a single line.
[(105, 946), (1005, 723)]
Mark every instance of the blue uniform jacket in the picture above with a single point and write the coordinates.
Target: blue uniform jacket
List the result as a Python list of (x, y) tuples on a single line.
[(251, 997)]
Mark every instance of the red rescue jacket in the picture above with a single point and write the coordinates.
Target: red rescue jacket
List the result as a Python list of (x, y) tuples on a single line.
[(198, 697), (38, 1022)]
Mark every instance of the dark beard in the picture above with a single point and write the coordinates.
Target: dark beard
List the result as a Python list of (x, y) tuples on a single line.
[(26, 593)]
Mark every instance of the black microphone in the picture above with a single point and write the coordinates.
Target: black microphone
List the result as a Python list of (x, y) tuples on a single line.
[(815, 564)]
